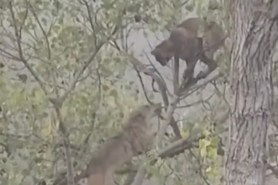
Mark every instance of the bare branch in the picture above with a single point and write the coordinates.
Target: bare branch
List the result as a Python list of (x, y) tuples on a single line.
[(20, 51), (80, 73), (185, 93), (9, 55), (141, 173), (221, 95), (176, 74), (23, 21), (195, 103), (155, 69), (171, 150), (130, 177), (175, 128), (90, 19), (66, 143), (143, 87), (185, 2), (200, 168), (160, 82), (178, 147), (42, 29), (86, 64), (273, 169), (189, 90)]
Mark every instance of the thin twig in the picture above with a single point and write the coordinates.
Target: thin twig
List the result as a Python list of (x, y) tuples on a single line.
[(66, 143), (138, 180), (176, 100), (273, 169), (85, 66), (160, 82), (90, 19), (179, 146), (176, 68), (143, 87), (80, 73), (175, 127), (201, 83), (42, 29), (9, 55), (156, 70), (20, 51), (200, 168), (195, 103)]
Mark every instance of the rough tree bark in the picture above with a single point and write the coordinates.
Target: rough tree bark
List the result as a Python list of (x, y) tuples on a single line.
[(254, 37)]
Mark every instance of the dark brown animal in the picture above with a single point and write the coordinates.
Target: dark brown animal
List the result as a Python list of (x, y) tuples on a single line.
[(136, 137), (191, 40)]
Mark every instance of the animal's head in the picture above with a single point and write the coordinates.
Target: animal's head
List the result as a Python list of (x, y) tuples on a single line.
[(164, 52), (149, 111), (144, 114)]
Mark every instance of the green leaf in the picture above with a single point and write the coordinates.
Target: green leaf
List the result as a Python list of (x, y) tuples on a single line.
[(212, 152), (203, 144), (17, 98)]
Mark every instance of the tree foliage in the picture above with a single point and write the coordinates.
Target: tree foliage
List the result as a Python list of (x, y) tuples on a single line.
[(67, 84)]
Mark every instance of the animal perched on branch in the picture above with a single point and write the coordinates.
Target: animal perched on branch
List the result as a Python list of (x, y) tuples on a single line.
[(135, 138), (191, 40)]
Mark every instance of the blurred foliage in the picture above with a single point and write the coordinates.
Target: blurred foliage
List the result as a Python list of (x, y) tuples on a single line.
[(58, 38)]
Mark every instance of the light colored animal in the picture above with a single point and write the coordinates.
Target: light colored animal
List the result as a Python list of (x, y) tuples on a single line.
[(135, 138)]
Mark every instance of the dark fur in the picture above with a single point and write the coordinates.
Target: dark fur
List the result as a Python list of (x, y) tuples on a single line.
[(191, 40)]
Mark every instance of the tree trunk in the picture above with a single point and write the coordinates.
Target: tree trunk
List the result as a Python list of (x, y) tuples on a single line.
[(254, 36)]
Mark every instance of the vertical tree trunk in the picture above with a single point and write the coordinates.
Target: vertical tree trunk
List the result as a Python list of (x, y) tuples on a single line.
[(254, 36)]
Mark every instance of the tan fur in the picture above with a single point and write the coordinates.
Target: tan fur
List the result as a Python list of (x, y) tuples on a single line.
[(136, 137), (194, 25)]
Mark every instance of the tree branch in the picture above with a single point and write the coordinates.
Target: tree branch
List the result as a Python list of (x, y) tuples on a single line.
[(42, 29), (81, 71), (176, 74), (178, 147), (66, 143), (160, 82), (140, 175), (17, 33)]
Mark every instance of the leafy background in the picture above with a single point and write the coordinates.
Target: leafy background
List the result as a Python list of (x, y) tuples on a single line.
[(77, 55)]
